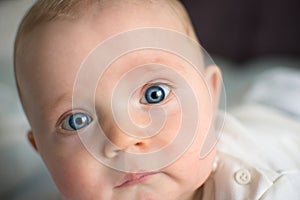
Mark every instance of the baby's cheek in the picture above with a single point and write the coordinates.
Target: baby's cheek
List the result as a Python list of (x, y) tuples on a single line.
[(77, 174), (82, 177), (169, 129)]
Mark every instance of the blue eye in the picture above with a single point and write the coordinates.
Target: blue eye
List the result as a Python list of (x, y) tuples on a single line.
[(76, 121), (155, 94)]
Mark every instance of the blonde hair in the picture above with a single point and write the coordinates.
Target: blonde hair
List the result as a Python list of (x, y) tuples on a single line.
[(44, 11)]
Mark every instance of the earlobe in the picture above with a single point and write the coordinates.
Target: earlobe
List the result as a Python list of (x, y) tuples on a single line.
[(31, 139)]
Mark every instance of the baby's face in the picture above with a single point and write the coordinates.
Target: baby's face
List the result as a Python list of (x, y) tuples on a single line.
[(47, 73)]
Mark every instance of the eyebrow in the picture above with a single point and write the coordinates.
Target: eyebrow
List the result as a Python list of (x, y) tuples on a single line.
[(60, 103), (65, 102), (65, 97), (178, 64)]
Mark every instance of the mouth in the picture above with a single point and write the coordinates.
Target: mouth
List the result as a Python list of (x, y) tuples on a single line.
[(134, 178)]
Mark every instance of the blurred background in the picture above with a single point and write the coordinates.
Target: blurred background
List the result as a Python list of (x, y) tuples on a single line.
[(243, 29), (256, 44)]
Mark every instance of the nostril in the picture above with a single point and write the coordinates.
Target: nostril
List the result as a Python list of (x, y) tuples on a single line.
[(139, 144), (140, 147)]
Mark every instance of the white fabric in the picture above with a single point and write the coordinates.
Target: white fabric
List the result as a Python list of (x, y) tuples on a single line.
[(279, 88), (264, 143)]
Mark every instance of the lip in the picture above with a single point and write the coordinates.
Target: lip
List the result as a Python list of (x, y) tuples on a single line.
[(134, 178)]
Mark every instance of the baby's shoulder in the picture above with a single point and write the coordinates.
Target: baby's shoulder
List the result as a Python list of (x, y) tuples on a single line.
[(262, 136), (257, 156), (235, 178)]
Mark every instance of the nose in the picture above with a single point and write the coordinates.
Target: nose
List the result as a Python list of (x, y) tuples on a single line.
[(121, 141)]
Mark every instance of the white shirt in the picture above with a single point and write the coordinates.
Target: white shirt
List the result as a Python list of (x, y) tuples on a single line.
[(258, 157)]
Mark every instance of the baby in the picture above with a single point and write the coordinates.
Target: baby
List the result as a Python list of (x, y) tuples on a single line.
[(77, 98)]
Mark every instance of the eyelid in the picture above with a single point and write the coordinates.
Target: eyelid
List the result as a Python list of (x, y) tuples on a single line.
[(64, 116), (156, 83)]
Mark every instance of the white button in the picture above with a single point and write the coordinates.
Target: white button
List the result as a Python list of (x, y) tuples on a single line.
[(242, 177), (215, 164)]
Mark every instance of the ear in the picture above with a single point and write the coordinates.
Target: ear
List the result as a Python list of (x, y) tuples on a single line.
[(31, 140), (213, 77)]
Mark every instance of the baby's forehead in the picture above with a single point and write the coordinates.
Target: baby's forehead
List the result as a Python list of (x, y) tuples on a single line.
[(142, 57), (79, 36)]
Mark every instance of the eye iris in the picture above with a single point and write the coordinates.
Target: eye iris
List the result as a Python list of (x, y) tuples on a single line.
[(154, 94), (78, 121)]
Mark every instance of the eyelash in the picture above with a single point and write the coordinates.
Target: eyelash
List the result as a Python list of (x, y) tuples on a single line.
[(65, 125)]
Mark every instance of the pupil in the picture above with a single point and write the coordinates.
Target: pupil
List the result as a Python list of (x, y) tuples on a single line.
[(78, 120), (154, 94)]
